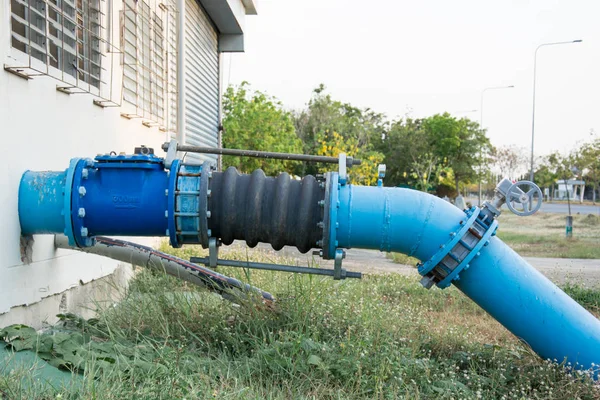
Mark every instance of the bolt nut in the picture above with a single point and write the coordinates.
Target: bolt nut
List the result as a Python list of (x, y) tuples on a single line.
[(209, 233), (82, 191), (167, 232), (84, 231), (208, 214), (85, 173), (166, 192), (319, 243), (320, 224), (166, 213), (81, 212), (208, 193), (322, 203)]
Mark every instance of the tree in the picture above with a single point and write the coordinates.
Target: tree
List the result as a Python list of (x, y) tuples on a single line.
[(402, 136), (509, 160), (459, 144), (324, 115), (590, 159), (255, 121), (332, 144), (412, 154)]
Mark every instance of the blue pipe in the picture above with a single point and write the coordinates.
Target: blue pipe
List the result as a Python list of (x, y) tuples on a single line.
[(501, 282), (137, 195)]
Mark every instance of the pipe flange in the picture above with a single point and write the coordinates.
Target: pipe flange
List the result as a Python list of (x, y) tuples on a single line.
[(454, 256), (76, 197), (67, 201), (172, 187), (203, 210), (331, 205)]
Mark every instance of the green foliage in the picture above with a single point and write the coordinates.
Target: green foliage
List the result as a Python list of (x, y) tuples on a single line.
[(589, 298), (425, 153), (410, 155), (332, 144), (590, 160), (255, 121), (358, 129), (383, 337), (459, 144)]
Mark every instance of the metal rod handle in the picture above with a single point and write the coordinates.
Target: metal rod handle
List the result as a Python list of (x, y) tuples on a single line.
[(262, 154)]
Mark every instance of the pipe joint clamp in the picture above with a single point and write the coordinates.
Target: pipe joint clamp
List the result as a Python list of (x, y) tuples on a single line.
[(454, 256)]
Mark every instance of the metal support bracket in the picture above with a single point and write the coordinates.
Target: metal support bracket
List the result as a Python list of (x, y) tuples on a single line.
[(171, 153), (342, 169), (338, 271), (213, 252), (277, 267)]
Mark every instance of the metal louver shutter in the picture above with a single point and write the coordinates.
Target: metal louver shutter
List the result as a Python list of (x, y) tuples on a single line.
[(201, 81)]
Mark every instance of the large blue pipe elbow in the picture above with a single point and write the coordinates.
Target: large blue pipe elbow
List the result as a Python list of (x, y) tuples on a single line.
[(496, 278)]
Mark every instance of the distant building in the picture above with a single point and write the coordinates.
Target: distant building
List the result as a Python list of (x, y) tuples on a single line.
[(94, 76), (572, 188)]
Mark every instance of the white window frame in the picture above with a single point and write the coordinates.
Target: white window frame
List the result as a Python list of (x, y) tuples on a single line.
[(144, 46), (60, 38)]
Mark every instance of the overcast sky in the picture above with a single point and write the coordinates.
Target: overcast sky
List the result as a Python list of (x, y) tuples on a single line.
[(431, 56)]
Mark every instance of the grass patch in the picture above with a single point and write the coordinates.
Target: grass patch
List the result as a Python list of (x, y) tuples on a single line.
[(380, 338), (543, 235)]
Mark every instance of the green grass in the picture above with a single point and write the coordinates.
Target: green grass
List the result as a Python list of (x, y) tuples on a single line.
[(384, 337), (543, 235)]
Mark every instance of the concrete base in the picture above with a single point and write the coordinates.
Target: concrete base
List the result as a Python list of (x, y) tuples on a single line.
[(82, 300)]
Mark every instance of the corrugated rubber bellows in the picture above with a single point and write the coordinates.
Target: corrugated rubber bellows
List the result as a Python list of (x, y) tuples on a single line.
[(256, 208)]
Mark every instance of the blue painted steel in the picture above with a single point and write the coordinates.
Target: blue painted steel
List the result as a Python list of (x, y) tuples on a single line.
[(330, 243), (76, 210), (446, 247), (113, 195), (464, 265), (531, 307), (120, 195), (170, 192), (41, 201), (499, 280), (68, 226), (187, 197)]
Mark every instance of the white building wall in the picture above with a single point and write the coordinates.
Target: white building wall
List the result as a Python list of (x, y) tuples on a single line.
[(42, 129)]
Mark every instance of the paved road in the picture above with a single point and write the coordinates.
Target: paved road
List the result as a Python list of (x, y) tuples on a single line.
[(575, 208), (558, 208), (558, 270)]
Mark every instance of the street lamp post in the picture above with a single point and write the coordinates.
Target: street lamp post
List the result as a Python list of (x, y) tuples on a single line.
[(533, 113), (481, 126)]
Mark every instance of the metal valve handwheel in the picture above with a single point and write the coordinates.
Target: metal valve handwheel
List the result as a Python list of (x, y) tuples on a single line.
[(525, 194)]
